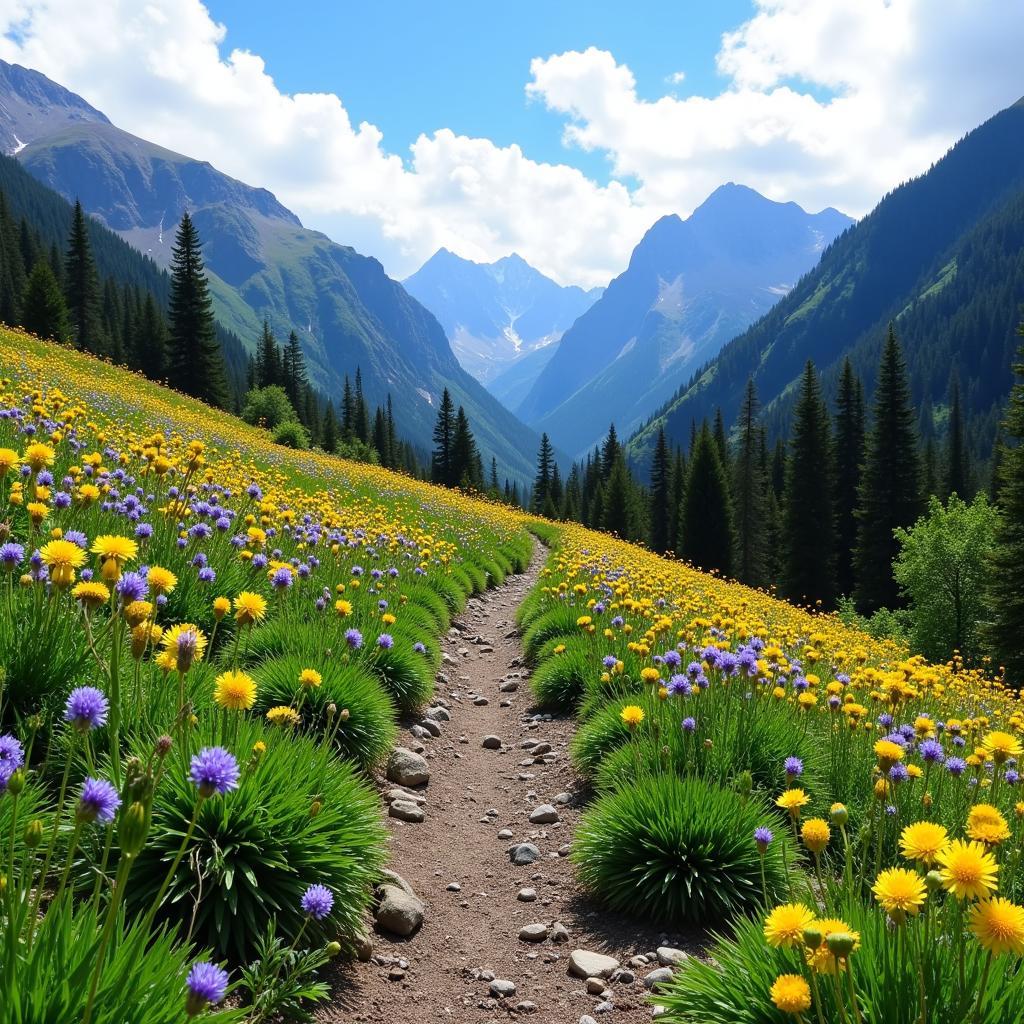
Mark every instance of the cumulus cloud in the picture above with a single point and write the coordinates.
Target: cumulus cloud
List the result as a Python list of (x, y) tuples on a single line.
[(824, 103)]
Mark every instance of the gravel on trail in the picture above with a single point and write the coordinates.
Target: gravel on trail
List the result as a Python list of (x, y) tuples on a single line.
[(476, 958)]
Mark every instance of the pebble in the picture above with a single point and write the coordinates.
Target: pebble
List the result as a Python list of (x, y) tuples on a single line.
[(669, 957), (502, 989), (438, 714), (406, 810), (407, 768), (525, 1006), (585, 964), (596, 986), (541, 748), (606, 1007), (506, 833), (533, 933), (559, 933), (543, 814), (587, 1019), (481, 702), (509, 686), (453, 887), (491, 743), (526, 895), (563, 799), (657, 978), (523, 853)]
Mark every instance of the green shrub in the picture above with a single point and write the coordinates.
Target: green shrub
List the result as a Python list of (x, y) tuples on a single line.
[(558, 680), (406, 675), (731, 986), (559, 621), (365, 736), (677, 850), (448, 588), (291, 434), (143, 977), (476, 573), (268, 407), (256, 849), (430, 600)]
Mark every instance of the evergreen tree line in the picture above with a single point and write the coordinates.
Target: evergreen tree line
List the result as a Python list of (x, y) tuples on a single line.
[(136, 316), (813, 515)]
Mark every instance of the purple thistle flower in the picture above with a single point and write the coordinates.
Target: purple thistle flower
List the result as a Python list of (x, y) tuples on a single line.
[(12, 754), (386, 641), (99, 802), (609, 661), (931, 751), (131, 587), (1012, 777), (354, 638), (898, 772), (207, 983), (689, 724), (763, 837), (956, 765), (11, 556), (794, 767), (86, 708), (282, 579), (317, 901), (420, 648), (214, 770)]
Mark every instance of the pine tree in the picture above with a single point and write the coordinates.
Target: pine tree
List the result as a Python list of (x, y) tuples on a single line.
[(83, 287), (618, 501), (661, 495), (1005, 595), (542, 481), (393, 453), (493, 488), (705, 527), (722, 440), (150, 342), (466, 468), (268, 362), (958, 471), (609, 452), (748, 490), (808, 512), (441, 465), (676, 494), (293, 367), (195, 361), (889, 495), (347, 411), (380, 437), (43, 310), (329, 431), (849, 456), (556, 491), (360, 412)]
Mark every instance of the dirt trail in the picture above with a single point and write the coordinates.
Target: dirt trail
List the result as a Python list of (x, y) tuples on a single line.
[(460, 867)]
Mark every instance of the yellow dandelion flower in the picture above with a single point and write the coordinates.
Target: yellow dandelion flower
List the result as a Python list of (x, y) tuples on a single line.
[(234, 691), (823, 959), (785, 925), (900, 892), (967, 870), (987, 824), (792, 800), (91, 594), (1001, 746), (632, 715), (998, 925), (62, 558), (815, 834), (309, 678), (38, 456), (250, 608), (161, 580), (791, 994), (283, 716), (923, 841)]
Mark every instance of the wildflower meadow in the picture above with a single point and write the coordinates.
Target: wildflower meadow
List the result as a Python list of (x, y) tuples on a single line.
[(206, 641)]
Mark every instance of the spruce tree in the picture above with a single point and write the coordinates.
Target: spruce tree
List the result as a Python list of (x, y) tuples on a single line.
[(542, 481), (748, 491), (705, 526), (360, 412), (268, 363), (661, 495), (347, 411), (82, 287), (1004, 593), (294, 368), (467, 471), (889, 496), (380, 437), (618, 501), (150, 342), (808, 512), (393, 453), (444, 434), (677, 491), (958, 471), (609, 452), (849, 455), (329, 431), (722, 440), (493, 487), (195, 362), (43, 310)]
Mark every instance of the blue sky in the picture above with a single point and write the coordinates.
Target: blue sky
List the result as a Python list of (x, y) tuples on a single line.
[(820, 102), (410, 67)]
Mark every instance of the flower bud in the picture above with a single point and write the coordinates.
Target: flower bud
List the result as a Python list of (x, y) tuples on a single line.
[(33, 834), (16, 783), (345, 714), (163, 746), (840, 944), (131, 833), (314, 808), (332, 949), (812, 937), (933, 880), (744, 783), (332, 710), (839, 815)]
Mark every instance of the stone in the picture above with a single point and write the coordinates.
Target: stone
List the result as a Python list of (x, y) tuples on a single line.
[(587, 1019), (400, 910), (491, 743), (481, 702), (559, 933), (669, 957), (506, 833), (430, 727), (606, 1007), (526, 895), (657, 978), (362, 946), (525, 1006), (453, 887), (419, 732), (638, 961), (533, 933), (543, 814), (502, 989), (406, 810), (541, 748), (509, 686), (562, 799), (438, 714), (523, 853), (403, 794), (624, 977), (407, 768), (585, 964), (596, 986)]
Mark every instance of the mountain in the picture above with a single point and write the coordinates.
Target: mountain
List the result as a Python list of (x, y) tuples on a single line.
[(261, 261), (495, 314), (940, 256), (691, 286)]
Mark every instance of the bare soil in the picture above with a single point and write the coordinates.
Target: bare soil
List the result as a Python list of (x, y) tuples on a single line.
[(435, 975)]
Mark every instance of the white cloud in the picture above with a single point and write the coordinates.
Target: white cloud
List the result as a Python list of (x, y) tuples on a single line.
[(826, 103)]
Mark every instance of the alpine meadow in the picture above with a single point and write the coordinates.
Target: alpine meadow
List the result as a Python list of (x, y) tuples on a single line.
[(511, 514)]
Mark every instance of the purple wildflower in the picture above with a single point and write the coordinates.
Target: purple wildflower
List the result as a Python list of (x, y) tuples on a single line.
[(207, 983), (386, 641), (763, 837), (689, 724), (214, 770), (12, 754), (354, 638), (86, 708), (11, 556), (99, 802), (317, 901), (794, 767)]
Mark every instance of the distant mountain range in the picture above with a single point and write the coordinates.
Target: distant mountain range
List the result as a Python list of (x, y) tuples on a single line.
[(497, 314), (940, 257), (691, 286), (262, 263)]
